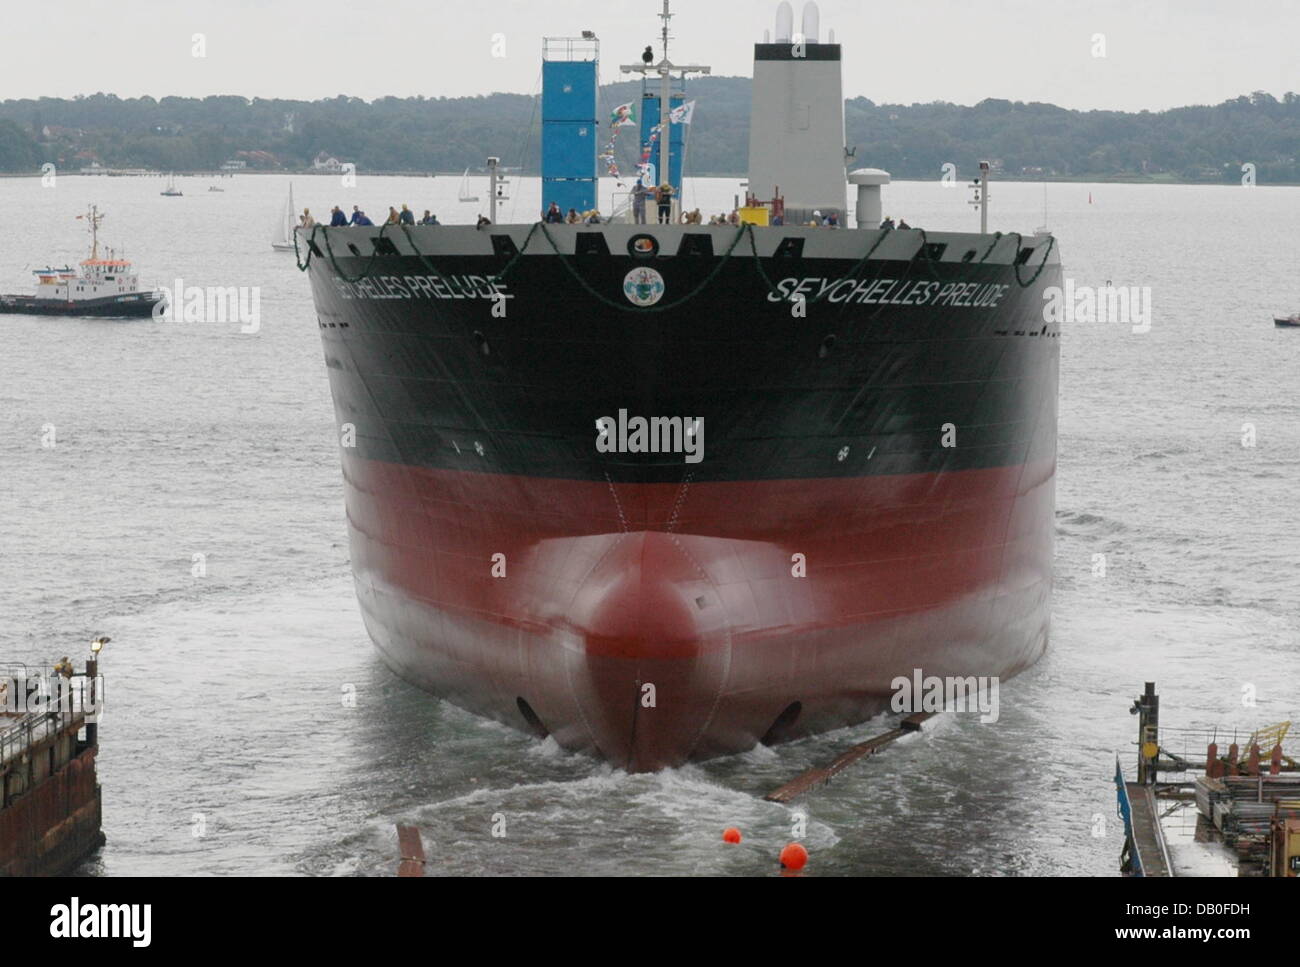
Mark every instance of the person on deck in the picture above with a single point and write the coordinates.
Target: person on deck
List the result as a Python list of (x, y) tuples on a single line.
[(429, 219), (407, 217), (554, 215), (337, 218), (902, 223), (639, 194), (888, 223), (306, 221), (359, 217), (482, 220), (393, 217), (664, 199)]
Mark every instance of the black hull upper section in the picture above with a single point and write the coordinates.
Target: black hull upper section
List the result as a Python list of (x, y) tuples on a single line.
[(134, 305), (926, 358)]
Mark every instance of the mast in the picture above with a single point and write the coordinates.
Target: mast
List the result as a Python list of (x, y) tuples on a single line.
[(981, 199), (94, 217), (665, 104), (492, 187), (665, 69)]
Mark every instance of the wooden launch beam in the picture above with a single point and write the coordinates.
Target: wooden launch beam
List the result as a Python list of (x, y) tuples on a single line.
[(819, 776), (412, 850)]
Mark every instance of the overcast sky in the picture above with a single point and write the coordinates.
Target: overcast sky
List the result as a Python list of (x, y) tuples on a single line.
[(1158, 53)]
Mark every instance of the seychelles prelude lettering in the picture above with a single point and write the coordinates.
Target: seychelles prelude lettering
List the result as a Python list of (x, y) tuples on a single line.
[(658, 434), (423, 287), (891, 292)]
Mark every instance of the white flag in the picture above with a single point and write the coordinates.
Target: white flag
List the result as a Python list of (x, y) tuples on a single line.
[(623, 116), (682, 113)]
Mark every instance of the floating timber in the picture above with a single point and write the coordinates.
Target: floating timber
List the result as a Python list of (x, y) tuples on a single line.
[(821, 775)]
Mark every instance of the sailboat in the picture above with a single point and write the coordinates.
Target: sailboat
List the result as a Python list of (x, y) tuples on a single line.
[(282, 239), (464, 188), (171, 191)]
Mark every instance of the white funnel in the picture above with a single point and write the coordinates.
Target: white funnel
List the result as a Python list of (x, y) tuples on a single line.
[(811, 23), (784, 22)]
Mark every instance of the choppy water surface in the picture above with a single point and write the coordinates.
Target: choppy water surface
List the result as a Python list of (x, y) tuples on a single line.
[(227, 691)]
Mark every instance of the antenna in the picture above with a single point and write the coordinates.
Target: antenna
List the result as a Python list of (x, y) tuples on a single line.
[(981, 199), (665, 17), (94, 217)]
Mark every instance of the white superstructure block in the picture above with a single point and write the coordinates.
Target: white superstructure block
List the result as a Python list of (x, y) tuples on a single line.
[(796, 134)]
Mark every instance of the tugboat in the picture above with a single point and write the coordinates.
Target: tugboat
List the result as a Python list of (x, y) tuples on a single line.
[(1288, 322), (105, 287), (875, 494)]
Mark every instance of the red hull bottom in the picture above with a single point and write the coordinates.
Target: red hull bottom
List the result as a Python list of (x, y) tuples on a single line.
[(652, 624)]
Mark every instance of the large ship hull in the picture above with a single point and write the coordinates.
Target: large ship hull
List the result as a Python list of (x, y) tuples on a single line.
[(875, 493)]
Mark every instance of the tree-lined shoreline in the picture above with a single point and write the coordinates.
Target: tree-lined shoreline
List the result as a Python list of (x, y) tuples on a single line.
[(1256, 135)]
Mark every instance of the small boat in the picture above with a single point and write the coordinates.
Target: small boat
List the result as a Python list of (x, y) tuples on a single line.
[(106, 287), (464, 194), (1290, 322), (282, 237), (215, 188), (171, 191)]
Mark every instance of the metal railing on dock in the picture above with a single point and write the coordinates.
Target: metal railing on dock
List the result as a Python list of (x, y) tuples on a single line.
[(37, 704)]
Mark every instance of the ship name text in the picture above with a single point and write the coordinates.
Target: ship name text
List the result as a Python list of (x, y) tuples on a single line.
[(423, 287), (891, 292)]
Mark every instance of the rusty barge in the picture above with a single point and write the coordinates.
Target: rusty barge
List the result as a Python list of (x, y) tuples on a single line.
[(50, 802)]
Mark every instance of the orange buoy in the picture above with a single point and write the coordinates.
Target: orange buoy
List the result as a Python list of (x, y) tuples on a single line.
[(794, 856), (731, 835)]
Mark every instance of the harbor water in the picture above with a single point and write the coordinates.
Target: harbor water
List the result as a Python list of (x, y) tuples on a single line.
[(176, 486)]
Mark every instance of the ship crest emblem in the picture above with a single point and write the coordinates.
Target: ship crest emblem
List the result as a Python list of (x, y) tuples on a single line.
[(643, 286)]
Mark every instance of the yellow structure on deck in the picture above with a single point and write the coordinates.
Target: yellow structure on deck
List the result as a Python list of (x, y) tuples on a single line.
[(1267, 739)]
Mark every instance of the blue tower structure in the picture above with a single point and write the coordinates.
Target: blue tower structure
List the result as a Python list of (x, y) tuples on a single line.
[(570, 130)]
